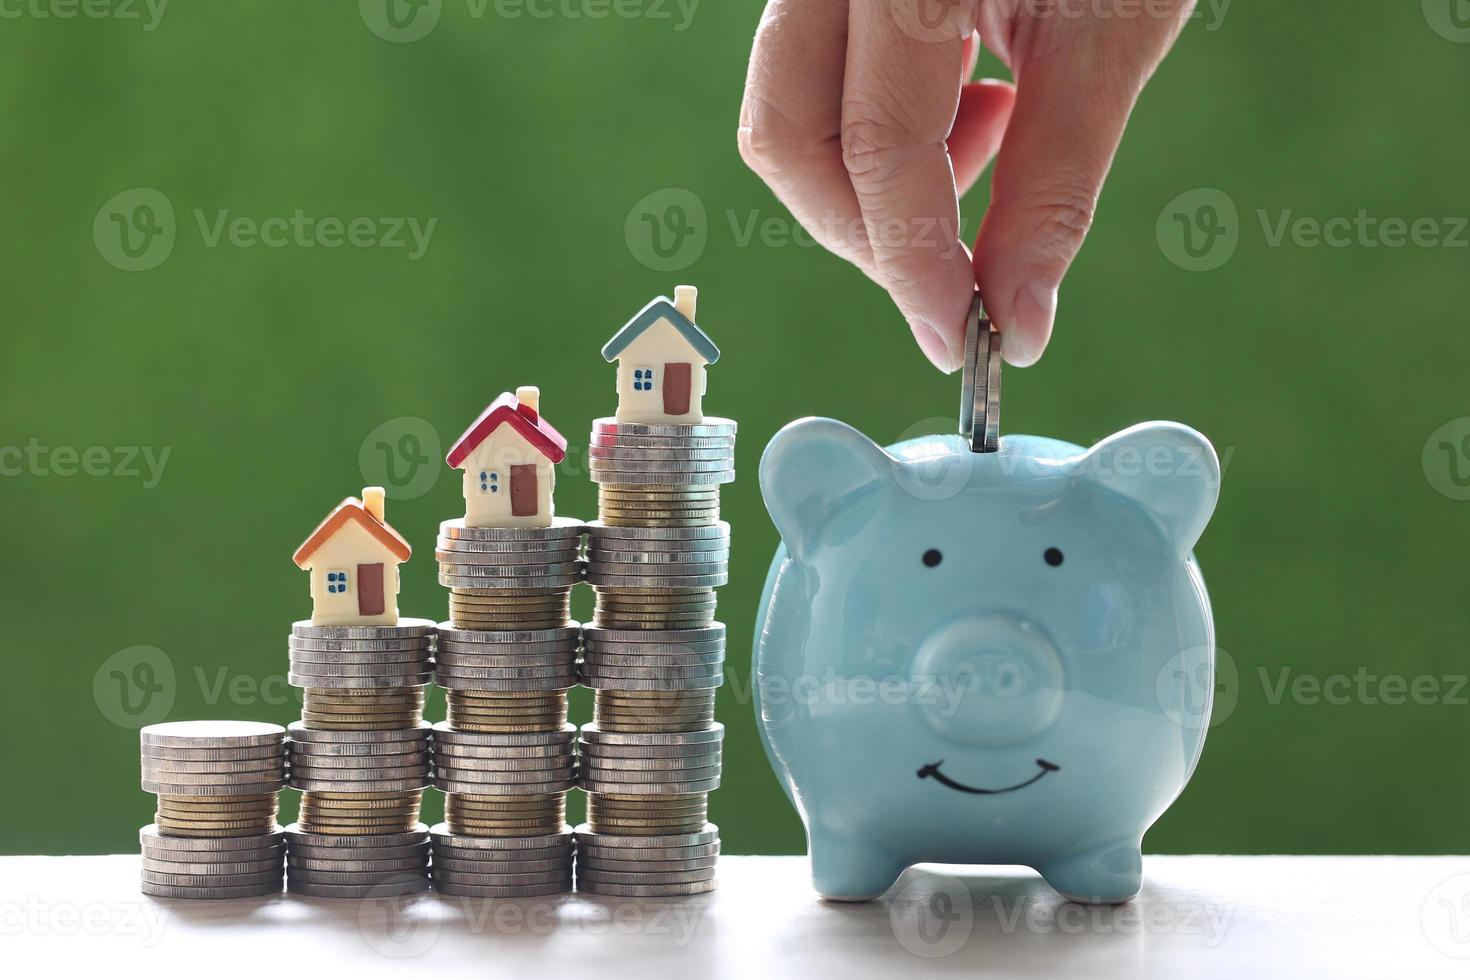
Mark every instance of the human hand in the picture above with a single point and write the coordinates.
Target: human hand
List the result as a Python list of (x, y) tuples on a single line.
[(858, 115)]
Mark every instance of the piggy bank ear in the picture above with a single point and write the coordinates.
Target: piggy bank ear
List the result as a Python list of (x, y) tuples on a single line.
[(1168, 468), (814, 469)]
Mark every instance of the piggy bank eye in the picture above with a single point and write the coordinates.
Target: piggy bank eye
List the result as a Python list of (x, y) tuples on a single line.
[(1053, 556), (932, 557)]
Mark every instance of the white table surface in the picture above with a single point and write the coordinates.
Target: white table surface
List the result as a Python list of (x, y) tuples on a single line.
[(1240, 918)]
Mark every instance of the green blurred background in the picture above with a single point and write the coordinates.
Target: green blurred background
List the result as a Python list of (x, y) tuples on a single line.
[(549, 149)]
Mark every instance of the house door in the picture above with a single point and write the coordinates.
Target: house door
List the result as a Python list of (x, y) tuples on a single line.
[(370, 590), (676, 389), (523, 495)]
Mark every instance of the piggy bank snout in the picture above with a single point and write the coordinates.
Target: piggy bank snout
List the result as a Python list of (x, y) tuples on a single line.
[(988, 680)]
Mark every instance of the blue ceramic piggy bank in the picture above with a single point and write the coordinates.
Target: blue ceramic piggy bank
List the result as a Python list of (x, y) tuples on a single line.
[(984, 658)]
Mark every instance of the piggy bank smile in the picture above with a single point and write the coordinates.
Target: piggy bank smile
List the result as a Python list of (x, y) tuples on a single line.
[(1033, 624), (931, 771)]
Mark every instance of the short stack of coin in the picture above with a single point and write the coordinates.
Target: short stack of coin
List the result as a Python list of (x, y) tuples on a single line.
[(360, 756), (505, 833), (654, 657), (509, 578), (215, 832), (337, 865)]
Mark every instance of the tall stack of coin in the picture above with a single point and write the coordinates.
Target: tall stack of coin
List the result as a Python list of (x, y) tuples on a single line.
[(215, 833), (360, 756), (504, 760), (654, 657)]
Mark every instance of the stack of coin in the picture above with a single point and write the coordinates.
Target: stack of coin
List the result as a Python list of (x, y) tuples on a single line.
[(654, 655), (360, 754), (640, 865), (338, 865), (215, 832), (502, 867), (505, 831), (362, 677), (507, 680), (509, 578)]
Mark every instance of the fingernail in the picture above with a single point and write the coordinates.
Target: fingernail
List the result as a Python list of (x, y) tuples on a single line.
[(1032, 316), (935, 347)]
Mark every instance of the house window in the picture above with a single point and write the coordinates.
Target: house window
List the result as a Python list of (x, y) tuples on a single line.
[(643, 379), (336, 582), (489, 482)]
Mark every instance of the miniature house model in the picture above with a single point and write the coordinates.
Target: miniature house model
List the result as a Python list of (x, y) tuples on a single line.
[(509, 458), (661, 359), (353, 557)]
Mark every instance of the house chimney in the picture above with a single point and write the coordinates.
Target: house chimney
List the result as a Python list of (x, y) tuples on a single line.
[(372, 502), (684, 299), (528, 401)]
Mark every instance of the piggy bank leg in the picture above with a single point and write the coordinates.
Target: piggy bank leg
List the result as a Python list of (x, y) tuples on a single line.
[(845, 870), (1105, 875)]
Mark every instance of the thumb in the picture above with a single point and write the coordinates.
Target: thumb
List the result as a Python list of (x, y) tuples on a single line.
[(1072, 104)]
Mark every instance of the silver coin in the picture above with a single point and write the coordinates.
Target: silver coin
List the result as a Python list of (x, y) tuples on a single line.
[(193, 767), (623, 784), (659, 570), (561, 529), (662, 766), (502, 753), (408, 886), (980, 381), (710, 426), (593, 733), (454, 661), (356, 754), (272, 862), (602, 556), (361, 659), (600, 532), (651, 671), (443, 836), (457, 581), (351, 683), (210, 734), (447, 785), (502, 563), (295, 836), (607, 771), (371, 866), (604, 660), (403, 629), (207, 892), (415, 851), (561, 864), (308, 877), (602, 635), (246, 754), (181, 858), (211, 881), (653, 751), (457, 890), (222, 788), (560, 634), (684, 864), (358, 786), (490, 855), (444, 735), (706, 682), (613, 441), (605, 478), (358, 763), (533, 573), (645, 891), (506, 672), (359, 670), (300, 733), (560, 879), (658, 581), (486, 655), (507, 778), (511, 550), (665, 459), (395, 645), (523, 685), (608, 876), (149, 836), (719, 464)]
